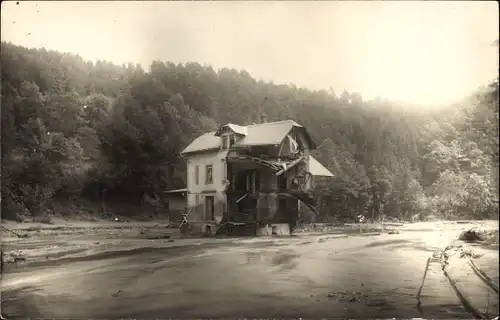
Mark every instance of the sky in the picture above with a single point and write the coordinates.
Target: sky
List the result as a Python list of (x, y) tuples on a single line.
[(423, 52)]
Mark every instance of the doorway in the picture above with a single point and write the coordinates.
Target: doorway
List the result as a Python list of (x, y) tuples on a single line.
[(209, 208)]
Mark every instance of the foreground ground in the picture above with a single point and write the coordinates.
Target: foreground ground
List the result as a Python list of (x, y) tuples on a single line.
[(301, 276)]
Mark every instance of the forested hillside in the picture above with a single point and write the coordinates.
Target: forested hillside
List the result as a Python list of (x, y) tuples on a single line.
[(98, 130)]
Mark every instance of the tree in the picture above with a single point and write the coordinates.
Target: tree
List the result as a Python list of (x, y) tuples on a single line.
[(71, 126)]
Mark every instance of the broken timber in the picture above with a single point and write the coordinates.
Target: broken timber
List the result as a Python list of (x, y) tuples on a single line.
[(243, 197), (289, 166), (184, 218), (234, 220), (268, 164), (304, 198)]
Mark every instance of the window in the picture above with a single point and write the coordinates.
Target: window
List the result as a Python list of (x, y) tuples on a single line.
[(197, 175), (251, 181), (208, 174), (248, 181), (300, 145), (225, 143)]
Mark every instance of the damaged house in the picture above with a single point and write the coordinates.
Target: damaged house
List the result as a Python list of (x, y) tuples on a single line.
[(250, 180)]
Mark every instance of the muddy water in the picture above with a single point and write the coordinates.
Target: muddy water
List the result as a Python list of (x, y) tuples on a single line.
[(299, 276)]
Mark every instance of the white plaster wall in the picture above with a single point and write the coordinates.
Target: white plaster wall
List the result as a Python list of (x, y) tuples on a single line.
[(202, 190)]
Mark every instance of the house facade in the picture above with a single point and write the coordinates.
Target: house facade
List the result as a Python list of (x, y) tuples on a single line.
[(251, 180)]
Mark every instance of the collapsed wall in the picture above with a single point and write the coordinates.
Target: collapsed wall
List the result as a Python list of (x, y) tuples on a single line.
[(261, 198), (270, 204)]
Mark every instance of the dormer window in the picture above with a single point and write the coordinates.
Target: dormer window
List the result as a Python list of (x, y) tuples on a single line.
[(228, 134), (227, 141)]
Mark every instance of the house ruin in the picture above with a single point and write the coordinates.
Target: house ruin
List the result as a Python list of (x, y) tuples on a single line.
[(250, 180)]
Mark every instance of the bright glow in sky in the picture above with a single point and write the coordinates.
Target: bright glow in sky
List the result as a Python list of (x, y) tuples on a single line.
[(421, 52)]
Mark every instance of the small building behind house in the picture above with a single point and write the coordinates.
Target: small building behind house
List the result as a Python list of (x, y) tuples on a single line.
[(176, 201)]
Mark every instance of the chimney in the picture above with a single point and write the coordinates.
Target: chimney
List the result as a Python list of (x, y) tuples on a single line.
[(261, 116)]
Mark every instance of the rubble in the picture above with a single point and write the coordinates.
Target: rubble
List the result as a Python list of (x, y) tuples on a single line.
[(264, 194), (487, 237), (351, 297), (13, 257)]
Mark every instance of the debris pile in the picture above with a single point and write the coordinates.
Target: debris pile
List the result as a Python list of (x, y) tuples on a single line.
[(491, 238), (469, 253), (19, 235), (482, 237), (316, 227), (352, 297), (393, 232), (13, 257), (472, 235)]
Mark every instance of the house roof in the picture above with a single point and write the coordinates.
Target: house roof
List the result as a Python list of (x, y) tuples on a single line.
[(317, 169), (269, 133), (235, 128), (207, 141)]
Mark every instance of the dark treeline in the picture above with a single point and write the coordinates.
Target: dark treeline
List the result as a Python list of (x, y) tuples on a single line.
[(73, 128)]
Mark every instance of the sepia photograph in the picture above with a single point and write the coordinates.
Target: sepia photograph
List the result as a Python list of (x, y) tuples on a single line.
[(249, 159)]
